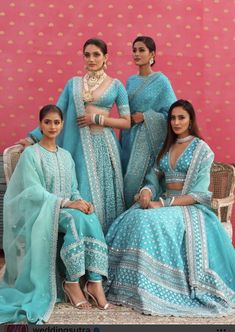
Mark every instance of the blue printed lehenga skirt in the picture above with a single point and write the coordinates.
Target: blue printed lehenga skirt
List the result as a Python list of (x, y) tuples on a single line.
[(171, 261)]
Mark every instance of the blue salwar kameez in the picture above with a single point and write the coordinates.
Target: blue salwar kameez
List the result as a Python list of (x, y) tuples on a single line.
[(33, 218)]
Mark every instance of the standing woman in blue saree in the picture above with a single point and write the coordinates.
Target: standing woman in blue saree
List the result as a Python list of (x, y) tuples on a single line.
[(150, 97), (41, 202), (169, 254), (88, 133)]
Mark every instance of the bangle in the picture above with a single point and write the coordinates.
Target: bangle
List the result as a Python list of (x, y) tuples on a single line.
[(162, 201), (147, 188), (101, 120), (93, 118), (97, 119), (172, 201), (167, 202)]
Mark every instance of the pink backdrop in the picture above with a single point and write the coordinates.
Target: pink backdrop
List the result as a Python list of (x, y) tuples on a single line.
[(41, 42)]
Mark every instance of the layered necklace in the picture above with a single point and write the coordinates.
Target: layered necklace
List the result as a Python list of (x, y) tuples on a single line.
[(184, 139), (91, 81)]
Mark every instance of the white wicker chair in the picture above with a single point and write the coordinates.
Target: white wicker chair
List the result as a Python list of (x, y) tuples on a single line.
[(222, 185), (10, 159)]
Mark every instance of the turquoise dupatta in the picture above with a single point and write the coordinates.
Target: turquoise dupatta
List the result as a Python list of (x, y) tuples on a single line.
[(30, 243), (152, 96)]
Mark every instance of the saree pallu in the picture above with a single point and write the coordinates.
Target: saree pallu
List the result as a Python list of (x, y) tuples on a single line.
[(152, 96)]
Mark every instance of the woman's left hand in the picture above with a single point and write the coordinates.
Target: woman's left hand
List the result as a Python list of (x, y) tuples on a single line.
[(154, 205), (84, 120)]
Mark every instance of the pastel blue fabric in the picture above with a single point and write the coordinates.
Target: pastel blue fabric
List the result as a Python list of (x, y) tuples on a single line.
[(151, 95), (96, 154), (32, 221), (175, 260)]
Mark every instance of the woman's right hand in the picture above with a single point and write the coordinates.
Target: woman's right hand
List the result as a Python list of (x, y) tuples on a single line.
[(144, 198), (81, 205), (25, 142)]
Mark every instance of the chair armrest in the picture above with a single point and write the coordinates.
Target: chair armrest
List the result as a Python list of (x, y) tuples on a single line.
[(10, 158), (217, 203)]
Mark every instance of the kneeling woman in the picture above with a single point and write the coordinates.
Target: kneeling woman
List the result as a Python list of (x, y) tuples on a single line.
[(41, 202), (169, 254)]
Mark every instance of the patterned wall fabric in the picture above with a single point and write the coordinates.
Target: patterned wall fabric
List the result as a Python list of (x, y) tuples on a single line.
[(41, 43)]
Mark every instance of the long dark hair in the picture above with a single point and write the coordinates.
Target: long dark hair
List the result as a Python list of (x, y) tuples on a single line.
[(148, 42), (171, 136), (49, 108), (97, 42)]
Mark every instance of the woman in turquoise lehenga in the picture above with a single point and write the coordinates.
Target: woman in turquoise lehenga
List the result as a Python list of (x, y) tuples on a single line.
[(86, 103), (150, 96), (41, 202), (169, 254)]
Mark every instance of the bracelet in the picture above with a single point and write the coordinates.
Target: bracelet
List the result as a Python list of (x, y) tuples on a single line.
[(162, 201), (167, 202), (172, 201), (147, 188), (97, 119), (101, 120)]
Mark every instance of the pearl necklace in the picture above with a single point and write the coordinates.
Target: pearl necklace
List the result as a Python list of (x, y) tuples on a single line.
[(184, 139), (91, 81)]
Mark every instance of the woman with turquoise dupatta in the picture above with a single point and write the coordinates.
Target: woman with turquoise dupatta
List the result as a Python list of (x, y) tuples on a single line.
[(41, 202), (88, 135), (150, 96), (169, 254)]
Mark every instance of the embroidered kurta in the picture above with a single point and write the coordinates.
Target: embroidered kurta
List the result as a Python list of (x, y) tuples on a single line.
[(96, 153), (32, 220), (151, 95), (175, 260)]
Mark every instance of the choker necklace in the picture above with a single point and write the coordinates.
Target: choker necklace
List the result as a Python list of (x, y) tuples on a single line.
[(184, 139), (91, 81)]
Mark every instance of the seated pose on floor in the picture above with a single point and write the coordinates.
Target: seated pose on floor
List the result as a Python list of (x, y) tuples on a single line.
[(41, 202), (169, 254)]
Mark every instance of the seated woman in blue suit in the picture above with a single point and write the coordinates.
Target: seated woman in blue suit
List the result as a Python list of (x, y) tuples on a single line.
[(169, 254)]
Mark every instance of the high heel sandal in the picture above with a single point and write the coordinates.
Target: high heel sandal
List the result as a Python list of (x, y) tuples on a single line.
[(68, 298), (94, 299)]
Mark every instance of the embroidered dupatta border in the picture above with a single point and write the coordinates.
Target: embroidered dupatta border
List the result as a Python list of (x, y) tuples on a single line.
[(200, 276), (53, 250), (88, 151), (144, 150), (115, 158)]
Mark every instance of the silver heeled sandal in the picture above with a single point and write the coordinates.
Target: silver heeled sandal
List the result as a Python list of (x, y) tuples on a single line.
[(68, 298), (94, 299)]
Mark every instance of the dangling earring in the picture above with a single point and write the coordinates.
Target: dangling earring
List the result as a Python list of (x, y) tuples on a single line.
[(151, 61), (190, 126), (105, 66)]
